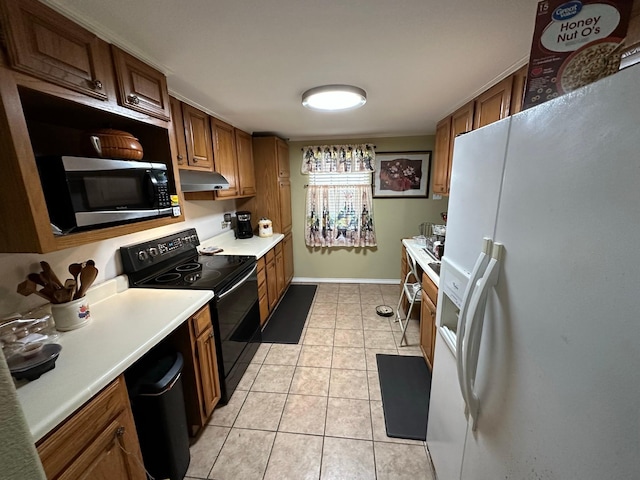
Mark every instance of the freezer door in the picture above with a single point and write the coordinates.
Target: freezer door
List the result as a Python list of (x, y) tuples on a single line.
[(476, 177), (447, 425), (558, 377)]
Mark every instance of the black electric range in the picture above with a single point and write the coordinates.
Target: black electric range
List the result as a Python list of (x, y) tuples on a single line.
[(173, 262)]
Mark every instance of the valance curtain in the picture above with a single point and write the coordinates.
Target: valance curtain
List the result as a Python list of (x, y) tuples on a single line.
[(339, 208), (338, 158)]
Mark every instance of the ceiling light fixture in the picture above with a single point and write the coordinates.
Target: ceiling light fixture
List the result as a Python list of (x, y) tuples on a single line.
[(333, 98)]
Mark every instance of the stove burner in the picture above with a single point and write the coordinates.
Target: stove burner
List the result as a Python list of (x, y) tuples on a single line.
[(211, 274), (167, 277), (192, 277), (187, 267)]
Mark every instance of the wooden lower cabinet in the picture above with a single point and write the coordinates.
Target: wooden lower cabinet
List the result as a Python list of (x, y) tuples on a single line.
[(287, 247), (99, 441), (280, 284), (428, 319), (275, 271), (272, 282), (263, 299), (195, 340)]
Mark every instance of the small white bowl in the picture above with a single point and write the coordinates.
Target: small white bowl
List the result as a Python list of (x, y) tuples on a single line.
[(30, 350)]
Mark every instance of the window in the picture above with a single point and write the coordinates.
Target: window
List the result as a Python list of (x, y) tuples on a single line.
[(339, 207)]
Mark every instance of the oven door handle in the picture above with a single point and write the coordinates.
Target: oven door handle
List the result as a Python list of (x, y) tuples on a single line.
[(237, 285)]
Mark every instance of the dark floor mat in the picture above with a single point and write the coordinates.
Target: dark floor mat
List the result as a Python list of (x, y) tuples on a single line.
[(405, 383), (287, 322)]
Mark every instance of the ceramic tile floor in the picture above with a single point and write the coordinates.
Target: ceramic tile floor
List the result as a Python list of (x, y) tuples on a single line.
[(313, 410)]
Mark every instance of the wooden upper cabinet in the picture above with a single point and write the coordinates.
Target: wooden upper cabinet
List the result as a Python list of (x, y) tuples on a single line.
[(177, 130), (45, 44), (140, 87), (462, 121), (246, 169), (198, 138), (224, 154), (519, 85), (441, 159), (283, 158), (494, 104), (284, 187)]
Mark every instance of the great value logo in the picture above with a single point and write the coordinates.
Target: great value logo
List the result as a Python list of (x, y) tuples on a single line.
[(567, 10)]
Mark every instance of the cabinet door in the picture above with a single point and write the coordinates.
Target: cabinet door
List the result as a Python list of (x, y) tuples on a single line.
[(43, 43), (287, 247), (87, 444), (198, 138), (427, 328), (177, 130), (105, 457), (519, 85), (494, 104), (280, 280), (461, 122), (441, 159), (283, 158), (141, 87), (284, 187), (272, 282), (224, 154), (246, 170), (208, 371)]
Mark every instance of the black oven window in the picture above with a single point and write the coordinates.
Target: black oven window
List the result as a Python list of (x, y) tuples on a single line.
[(112, 191)]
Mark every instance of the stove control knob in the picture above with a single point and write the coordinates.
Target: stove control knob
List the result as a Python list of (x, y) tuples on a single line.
[(142, 255), (153, 251), (193, 238)]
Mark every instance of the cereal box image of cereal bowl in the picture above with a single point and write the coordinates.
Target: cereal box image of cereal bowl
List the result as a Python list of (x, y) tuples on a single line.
[(575, 43)]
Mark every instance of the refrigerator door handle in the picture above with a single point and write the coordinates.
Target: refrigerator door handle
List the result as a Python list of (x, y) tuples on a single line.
[(475, 324), (476, 273)]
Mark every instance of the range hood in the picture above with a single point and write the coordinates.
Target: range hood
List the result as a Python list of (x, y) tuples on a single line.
[(193, 181)]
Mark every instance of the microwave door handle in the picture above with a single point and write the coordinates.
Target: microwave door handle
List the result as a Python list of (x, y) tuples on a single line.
[(152, 183)]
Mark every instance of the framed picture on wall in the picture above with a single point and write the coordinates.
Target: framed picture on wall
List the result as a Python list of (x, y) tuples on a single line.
[(402, 174)]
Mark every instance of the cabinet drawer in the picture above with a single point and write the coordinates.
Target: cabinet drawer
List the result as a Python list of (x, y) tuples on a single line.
[(262, 287), (430, 287), (270, 256), (201, 321)]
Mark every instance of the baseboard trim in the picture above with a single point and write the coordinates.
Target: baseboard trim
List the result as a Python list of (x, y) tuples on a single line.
[(386, 281)]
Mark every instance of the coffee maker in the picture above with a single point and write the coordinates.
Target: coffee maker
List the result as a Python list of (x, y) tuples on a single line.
[(243, 225)]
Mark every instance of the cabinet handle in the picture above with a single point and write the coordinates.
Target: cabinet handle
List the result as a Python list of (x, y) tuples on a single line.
[(195, 160), (179, 157), (211, 335), (133, 99), (120, 432), (97, 85)]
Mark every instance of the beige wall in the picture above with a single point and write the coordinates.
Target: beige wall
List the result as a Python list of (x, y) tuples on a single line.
[(394, 219)]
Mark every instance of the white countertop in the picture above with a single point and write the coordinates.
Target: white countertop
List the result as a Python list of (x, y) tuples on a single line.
[(256, 246), (125, 324), (422, 258)]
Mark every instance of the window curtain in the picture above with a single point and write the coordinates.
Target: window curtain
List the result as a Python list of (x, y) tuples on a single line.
[(339, 204), (338, 159)]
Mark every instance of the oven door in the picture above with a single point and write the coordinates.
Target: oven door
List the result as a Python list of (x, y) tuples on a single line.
[(237, 328)]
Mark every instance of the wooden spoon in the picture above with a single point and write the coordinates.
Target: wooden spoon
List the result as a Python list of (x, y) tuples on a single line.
[(37, 278), (87, 277), (50, 275), (28, 287), (75, 269)]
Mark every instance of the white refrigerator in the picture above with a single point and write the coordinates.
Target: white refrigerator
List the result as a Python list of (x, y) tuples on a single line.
[(537, 363)]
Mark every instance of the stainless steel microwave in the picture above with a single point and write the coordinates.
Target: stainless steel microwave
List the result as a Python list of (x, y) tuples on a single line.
[(85, 193)]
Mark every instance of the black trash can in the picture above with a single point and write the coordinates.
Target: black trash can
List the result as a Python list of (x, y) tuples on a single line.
[(158, 408)]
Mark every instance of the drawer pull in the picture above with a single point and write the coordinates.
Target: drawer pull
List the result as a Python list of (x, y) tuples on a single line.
[(133, 99)]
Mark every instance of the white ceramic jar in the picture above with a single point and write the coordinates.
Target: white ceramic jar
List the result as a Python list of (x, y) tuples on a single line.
[(71, 315)]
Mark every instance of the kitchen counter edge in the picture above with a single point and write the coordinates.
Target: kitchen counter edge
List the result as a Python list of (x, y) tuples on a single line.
[(254, 246), (125, 324), (422, 258)]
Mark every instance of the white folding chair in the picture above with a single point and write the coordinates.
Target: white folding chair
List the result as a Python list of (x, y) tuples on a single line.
[(412, 292)]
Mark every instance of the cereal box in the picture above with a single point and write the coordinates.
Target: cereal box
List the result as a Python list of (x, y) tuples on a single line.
[(574, 43)]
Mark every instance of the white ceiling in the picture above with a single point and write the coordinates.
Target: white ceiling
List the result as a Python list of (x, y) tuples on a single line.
[(248, 62)]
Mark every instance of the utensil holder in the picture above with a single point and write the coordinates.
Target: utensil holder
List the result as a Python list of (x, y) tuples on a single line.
[(71, 315)]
